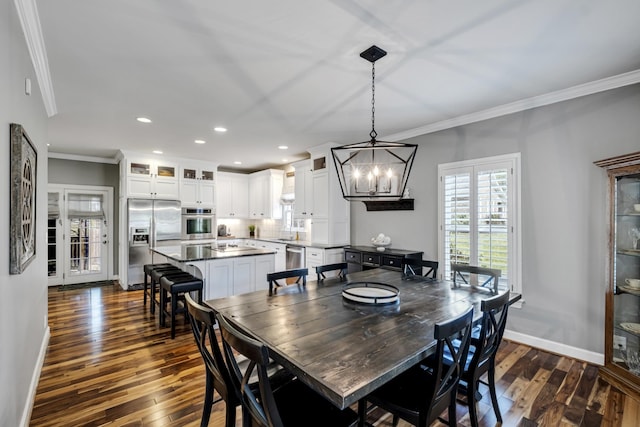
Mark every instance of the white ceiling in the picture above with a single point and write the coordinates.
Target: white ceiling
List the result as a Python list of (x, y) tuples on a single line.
[(288, 72)]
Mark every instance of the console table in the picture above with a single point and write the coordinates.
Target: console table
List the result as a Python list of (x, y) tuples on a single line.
[(360, 258)]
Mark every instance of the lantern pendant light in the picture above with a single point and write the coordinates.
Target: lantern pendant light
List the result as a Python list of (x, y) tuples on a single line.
[(373, 170)]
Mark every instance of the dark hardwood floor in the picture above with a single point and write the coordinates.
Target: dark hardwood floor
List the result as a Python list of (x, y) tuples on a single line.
[(109, 363)]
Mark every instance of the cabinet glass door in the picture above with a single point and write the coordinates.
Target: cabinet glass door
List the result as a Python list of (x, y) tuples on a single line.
[(626, 301)]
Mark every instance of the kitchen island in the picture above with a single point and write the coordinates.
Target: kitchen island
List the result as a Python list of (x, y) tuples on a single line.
[(225, 270)]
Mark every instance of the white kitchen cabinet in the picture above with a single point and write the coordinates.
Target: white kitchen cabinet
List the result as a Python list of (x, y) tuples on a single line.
[(281, 253), (303, 190), (152, 179), (318, 256), (232, 195), (219, 278), (264, 266), (320, 195), (330, 215), (265, 191), (244, 275), (197, 187), (313, 258), (234, 276)]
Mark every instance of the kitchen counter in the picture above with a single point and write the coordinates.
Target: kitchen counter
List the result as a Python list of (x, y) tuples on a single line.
[(189, 252)]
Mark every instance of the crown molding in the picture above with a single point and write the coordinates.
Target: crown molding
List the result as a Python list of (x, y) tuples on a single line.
[(573, 92), (30, 21), (76, 157)]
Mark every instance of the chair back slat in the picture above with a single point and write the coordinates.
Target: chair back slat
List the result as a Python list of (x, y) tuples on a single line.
[(203, 321), (492, 274), (341, 267), (419, 268), (494, 320), (258, 404), (453, 338), (299, 273)]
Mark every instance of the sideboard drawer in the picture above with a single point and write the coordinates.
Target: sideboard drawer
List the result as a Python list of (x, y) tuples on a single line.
[(352, 256), (371, 259), (392, 261)]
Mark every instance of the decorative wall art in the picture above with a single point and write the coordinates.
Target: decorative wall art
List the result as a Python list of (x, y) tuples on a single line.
[(23, 200)]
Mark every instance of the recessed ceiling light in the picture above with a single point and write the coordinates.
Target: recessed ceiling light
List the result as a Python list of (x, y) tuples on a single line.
[(157, 152), (143, 120), (220, 129), (200, 141), (283, 147), (48, 145), (285, 160), (237, 162)]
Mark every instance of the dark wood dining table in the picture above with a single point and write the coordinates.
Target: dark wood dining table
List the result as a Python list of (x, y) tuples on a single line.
[(345, 350)]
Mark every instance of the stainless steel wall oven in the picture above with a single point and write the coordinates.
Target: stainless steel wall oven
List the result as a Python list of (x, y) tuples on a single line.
[(198, 223)]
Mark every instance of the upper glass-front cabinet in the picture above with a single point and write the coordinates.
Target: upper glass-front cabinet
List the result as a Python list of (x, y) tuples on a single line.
[(622, 319)]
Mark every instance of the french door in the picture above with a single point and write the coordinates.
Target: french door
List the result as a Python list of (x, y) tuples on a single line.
[(83, 249)]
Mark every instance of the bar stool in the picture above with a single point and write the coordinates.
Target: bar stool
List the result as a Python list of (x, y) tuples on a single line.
[(155, 282), (176, 286), (148, 268)]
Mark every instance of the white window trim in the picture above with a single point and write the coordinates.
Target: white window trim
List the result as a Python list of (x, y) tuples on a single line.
[(515, 221)]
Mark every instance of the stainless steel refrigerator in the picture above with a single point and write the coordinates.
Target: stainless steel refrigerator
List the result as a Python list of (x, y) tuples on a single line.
[(150, 223)]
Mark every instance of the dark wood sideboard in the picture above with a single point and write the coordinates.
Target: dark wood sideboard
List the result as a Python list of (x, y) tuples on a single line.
[(360, 258)]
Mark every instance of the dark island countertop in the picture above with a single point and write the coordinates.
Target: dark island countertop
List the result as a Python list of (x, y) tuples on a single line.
[(189, 252)]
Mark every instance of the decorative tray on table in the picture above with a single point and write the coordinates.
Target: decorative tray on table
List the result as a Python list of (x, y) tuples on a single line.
[(372, 293)]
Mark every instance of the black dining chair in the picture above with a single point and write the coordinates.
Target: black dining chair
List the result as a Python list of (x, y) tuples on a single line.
[(292, 404), (420, 394), (419, 268), (464, 273), (482, 354), (274, 279), (340, 267), (218, 377)]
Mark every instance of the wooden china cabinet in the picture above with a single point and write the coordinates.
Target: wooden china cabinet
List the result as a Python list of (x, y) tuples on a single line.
[(622, 317)]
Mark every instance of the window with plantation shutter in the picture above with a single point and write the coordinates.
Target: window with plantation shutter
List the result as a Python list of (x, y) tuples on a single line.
[(479, 216)]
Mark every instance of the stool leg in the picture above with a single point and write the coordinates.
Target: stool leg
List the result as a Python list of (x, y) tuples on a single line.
[(163, 302), (144, 298), (174, 308), (152, 298)]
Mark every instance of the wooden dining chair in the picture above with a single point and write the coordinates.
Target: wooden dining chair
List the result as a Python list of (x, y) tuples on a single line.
[(292, 404), (275, 279), (218, 377), (420, 394), (482, 354), (419, 268), (341, 267), (464, 273)]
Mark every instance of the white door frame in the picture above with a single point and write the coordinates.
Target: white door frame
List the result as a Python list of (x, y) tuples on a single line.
[(62, 254)]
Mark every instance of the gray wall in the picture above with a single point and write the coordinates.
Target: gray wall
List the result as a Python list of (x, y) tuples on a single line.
[(23, 306), (75, 172), (564, 217)]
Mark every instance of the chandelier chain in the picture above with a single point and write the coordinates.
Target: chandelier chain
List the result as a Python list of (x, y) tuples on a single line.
[(373, 132)]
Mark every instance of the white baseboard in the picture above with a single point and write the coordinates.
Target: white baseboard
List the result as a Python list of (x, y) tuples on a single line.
[(555, 347), (35, 378)]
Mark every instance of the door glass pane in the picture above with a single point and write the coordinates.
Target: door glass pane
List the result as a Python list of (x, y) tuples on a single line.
[(85, 245), (52, 265)]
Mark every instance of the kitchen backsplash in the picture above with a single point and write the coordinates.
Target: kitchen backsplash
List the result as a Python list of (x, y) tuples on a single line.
[(266, 228)]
